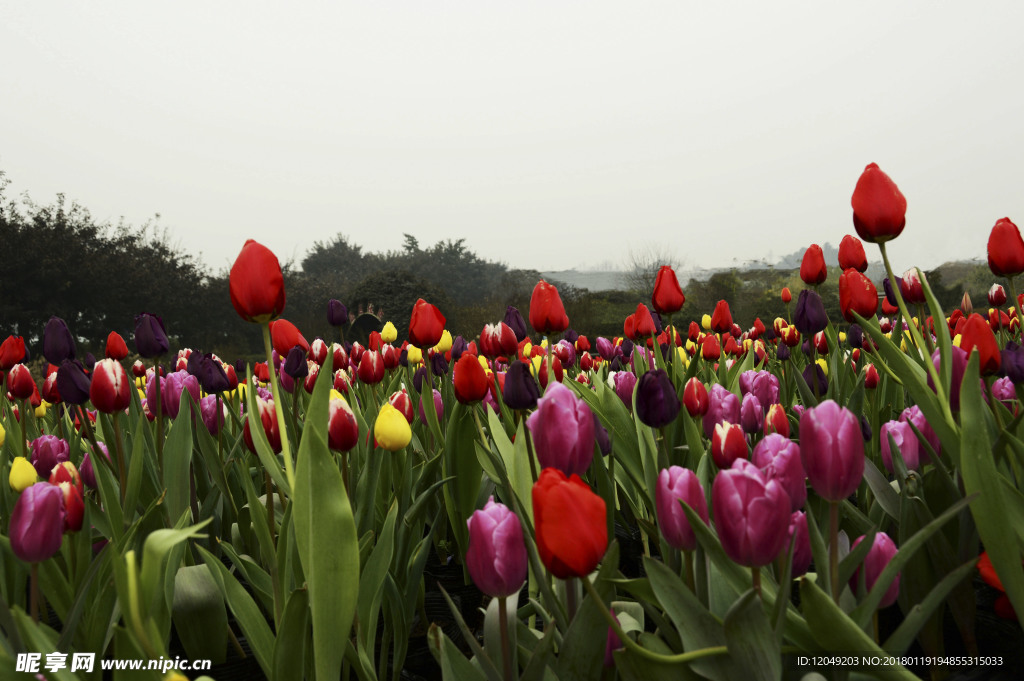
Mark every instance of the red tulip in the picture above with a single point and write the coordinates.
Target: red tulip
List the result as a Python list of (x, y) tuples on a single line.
[(851, 254), (342, 428), (268, 419), (775, 421), (470, 379), (110, 390), (284, 336), (857, 294), (978, 334), (879, 209), (997, 296), (256, 284), (400, 401), (710, 348), (20, 383), (721, 318), (871, 377), (668, 295), (570, 522), (371, 367), (911, 288), (644, 322), (74, 507), (426, 325), (787, 296), (695, 397), (547, 314), (1005, 249), (728, 444), (116, 347), (498, 340), (12, 351), (812, 267)]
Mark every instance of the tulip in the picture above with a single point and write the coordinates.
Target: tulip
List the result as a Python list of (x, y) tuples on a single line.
[(723, 405), (20, 383), (612, 642), (809, 317), (23, 474), (902, 434), (337, 313), (911, 288), (751, 414), (644, 322), (496, 558), (214, 412), (571, 524), (851, 254), (547, 314), (391, 430), (677, 484), (58, 344), (116, 348), (565, 352), (1005, 249), (728, 444), (812, 267), (695, 397), (857, 294), (74, 506), (426, 325), (439, 407), (110, 390), (871, 377), (832, 450), (978, 335), (256, 284), (879, 209), (470, 379), (514, 320), (657, 404), (371, 367), (48, 451), (751, 514), (786, 295), (497, 340), (721, 319), (542, 373), (779, 459), (1011, 362), (958, 362), (562, 429), (624, 383), (172, 386), (775, 421), (668, 295), (883, 550), (342, 427), (150, 336), (268, 419), (762, 384), (710, 348), (86, 470), (12, 351), (37, 523), (800, 537), (284, 336)]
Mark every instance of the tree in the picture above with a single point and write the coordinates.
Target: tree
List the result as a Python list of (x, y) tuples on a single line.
[(642, 267)]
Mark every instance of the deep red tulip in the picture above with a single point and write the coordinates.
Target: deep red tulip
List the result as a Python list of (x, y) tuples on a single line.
[(547, 314), (342, 428), (721, 318), (400, 400), (775, 421), (728, 443), (668, 295), (570, 522), (978, 334), (710, 348), (857, 294), (256, 284), (911, 288), (110, 390), (284, 336), (644, 322), (851, 254), (812, 267), (74, 507), (426, 325), (20, 383), (871, 377), (1005, 249), (498, 340), (371, 367), (470, 379), (391, 356), (787, 295), (12, 351), (116, 347), (997, 296), (879, 209), (318, 351), (629, 327), (268, 418)]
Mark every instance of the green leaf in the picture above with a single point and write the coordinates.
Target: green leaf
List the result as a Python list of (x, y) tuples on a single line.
[(259, 437), (325, 534), (886, 496), (752, 643), (981, 477), (461, 462), (292, 637), (371, 581), (200, 616), (579, 659), (901, 639), (454, 666), (177, 456)]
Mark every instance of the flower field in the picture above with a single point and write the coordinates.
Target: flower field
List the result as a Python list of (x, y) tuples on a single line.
[(803, 496)]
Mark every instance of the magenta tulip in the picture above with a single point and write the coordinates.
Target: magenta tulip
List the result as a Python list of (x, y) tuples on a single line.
[(903, 435), (676, 484), (496, 558), (563, 430), (882, 551), (751, 514), (778, 458), (37, 522), (832, 450)]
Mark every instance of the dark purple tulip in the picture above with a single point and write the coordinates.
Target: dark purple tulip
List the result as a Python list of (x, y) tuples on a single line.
[(150, 336), (865, 428), (37, 523), (723, 405), (47, 452), (604, 440), (782, 352), (769, 334), (657, 404), (778, 458), (337, 313), (626, 347), (751, 414), (403, 358), (295, 364), (211, 374), (89, 361), (438, 364), (615, 364), (418, 377), (570, 335), (605, 348), (241, 367), (515, 321), (814, 375), (86, 470), (799, 534), (855, 336), (890, 296), (658, 327), (809, 316), (625, 382), (521, 390), (1012, 364), (72, 382), (58, 344), (832, 450), (959, 364), (459, 346), (805, 346)]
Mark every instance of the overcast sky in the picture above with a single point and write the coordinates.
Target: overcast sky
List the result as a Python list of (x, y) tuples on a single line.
[(549, 135)]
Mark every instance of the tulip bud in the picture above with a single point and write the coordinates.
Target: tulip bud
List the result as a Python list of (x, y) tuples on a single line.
[(20, 383), (809, 317), (911, 288), (150, 336), (883, 550), (786, 296), (74, 507), (721, 319), (832, 450), (996, 295), (571, 524), (426, 325), (657, 404), (751, 414), (439, 407), (871, 377), (668, 295), (695, 397), (547, 314), (337, 313), (562, 429), (677, 484), (812, 267), (256, 284), (58, 344), (23, 474), (851, 254), (1005, 249), (37, 523), (879, 209), (751, 515), (496, 558), (48, 451), (520, 390), (268, 419), (723, 405), (904, 437), (400, 401), (624, 383), (514, 320), (391, 430), (728, 444)]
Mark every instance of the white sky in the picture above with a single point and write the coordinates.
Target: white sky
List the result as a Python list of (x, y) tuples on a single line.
[(549, 134)]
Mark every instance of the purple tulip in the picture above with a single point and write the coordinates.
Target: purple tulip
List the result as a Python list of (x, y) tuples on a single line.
[(751, 514), (677, 484), (625, 382), (86, 469), (815, 378), (915, 416), (890, 294), (778, 458), (562, 429), (211, 374), (337, 313), (58, 344), (855, 336), (605, 348), (521, 390), (832, 450), (723, 405), (959, 364), (150, 336), (882, 551), (438, 407), (802, 550), (496, 558), (1003, 390), (612, 643), (514, 320), (208, 408), (566, 352), (47, 452), (762, 384), (657, 403), (782, 352), (751, 414), (37, 522), (809, 317), (601, 435), (1012, 362), (72, 382), (903, 436), (171, 387)]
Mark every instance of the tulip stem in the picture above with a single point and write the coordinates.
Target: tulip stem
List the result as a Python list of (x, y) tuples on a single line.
[(33, 598), (159, 414), (755, 574), (506, 655), (529, 447), (286, 450), (925, 331), (121, 467), (833, 549), (571, 597), (688, 568), (21, 423)]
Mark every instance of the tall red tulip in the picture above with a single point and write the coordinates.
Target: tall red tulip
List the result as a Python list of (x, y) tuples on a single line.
[(1005, 249), (570, 522), (284, 336), (256, 284), (721, 318), (547, 314), (851, 254), (812, 267), (668, 295), (469, 379), (20, 383), (978, 334), (110, 390), (426, 325), (116, 347), (879, 208), (12, 351), (857, 294)]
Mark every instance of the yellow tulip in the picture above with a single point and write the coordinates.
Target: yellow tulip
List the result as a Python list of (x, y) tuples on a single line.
[(391, 430), (140, 382), (413, 354), (691, 347), (335, 395), (956, 340), (842, 336), (445, 344), (23, 474), (41, 409), (3, 435), (747, 344), (527, 348), (389, 333), (824, 365), (483, 362), (705, 322)]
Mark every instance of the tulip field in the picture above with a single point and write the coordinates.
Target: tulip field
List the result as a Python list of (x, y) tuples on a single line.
[(698, 498)]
